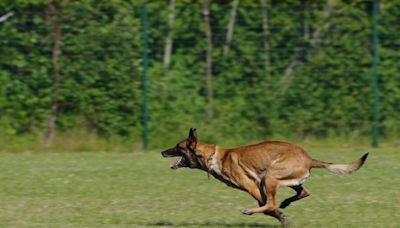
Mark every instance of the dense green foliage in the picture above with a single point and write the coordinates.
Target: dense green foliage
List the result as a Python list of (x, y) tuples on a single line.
[(139, 190), (327, 93)]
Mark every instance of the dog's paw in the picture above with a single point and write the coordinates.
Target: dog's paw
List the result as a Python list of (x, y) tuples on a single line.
[(282, 218), (247, 211)]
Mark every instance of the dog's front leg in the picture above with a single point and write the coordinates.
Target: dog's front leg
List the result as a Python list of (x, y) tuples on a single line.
[(270, 208), (257, 193)]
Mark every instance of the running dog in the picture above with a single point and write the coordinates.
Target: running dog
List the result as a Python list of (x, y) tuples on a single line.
[(258, 169)]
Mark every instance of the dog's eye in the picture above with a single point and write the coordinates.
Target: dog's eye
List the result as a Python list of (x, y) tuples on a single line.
[(180, 149)]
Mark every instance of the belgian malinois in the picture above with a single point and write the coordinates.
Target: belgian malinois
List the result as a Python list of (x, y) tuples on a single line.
[(258, 169)]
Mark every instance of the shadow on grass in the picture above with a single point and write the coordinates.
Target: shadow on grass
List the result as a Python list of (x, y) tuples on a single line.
[(212, 224)]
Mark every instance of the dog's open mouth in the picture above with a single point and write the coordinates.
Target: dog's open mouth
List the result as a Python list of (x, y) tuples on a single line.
[(181, 162), (176, 164)]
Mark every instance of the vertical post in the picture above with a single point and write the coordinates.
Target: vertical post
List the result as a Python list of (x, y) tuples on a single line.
[(145, 114), (209, 60), (375, 85)]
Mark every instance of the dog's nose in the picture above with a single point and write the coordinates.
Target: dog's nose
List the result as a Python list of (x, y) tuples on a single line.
[(164, 153)]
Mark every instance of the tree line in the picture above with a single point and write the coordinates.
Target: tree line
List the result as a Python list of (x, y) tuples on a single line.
[(236, 70)]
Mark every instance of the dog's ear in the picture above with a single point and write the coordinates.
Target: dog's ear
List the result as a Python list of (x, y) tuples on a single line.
[(192, 138), (192, 134)]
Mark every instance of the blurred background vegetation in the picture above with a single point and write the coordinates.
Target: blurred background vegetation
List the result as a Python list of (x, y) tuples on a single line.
[(71, 72)]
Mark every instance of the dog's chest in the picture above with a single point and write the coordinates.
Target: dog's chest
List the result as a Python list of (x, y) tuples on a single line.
[(217, 171), (215, 165)]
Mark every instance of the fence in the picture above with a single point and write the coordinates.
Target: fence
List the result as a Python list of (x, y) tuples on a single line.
[(313, 67), (236, 70)]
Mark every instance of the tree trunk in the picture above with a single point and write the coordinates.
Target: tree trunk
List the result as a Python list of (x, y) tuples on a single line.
[(168, 39), (56, 22), (265, 27), (210, 96), (231, 25), (306, 26), (313, 42)]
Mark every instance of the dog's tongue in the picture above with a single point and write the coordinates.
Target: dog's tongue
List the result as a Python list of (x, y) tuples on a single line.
[(175, 164)]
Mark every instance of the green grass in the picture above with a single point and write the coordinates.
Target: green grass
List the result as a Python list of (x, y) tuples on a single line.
[(139, 190)]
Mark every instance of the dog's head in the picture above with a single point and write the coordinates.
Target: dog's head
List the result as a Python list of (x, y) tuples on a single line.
[(186, 151)]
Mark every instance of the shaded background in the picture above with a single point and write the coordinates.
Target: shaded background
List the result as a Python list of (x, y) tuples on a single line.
[(71, 72)]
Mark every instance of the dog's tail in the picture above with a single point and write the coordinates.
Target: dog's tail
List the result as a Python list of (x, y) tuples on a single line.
[(340, 169)]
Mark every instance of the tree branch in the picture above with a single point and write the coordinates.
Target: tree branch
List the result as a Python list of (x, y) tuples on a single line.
[(267, 62), (210, 96), (168, 39), (6, 16), (231, 25), (313, 41)]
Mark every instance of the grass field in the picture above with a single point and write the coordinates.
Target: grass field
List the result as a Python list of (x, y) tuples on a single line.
[(139, 190)]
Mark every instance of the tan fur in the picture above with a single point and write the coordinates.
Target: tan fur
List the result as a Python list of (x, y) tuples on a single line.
[(259, 169)]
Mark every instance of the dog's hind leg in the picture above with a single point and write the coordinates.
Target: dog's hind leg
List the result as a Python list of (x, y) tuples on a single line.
[(301, 193), (280, 216)]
